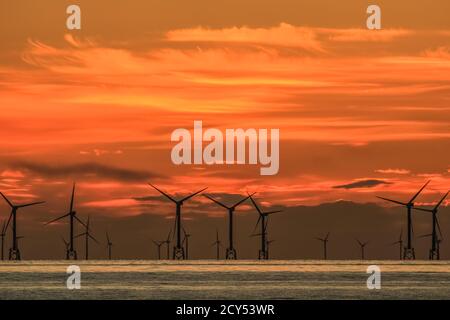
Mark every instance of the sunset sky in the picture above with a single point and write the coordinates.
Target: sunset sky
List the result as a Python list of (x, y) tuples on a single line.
[(361, 113)]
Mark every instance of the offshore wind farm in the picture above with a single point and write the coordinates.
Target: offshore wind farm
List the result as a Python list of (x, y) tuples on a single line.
[(235, 149)]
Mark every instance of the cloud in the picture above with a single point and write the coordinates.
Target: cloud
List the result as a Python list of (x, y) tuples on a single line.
[(370, 183), (85, 170), (285, 35), (393, 171)]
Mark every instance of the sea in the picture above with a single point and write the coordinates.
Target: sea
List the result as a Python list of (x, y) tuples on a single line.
[(218, 279)]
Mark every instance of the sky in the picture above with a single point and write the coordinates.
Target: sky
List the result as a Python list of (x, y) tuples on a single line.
[(361, 112)]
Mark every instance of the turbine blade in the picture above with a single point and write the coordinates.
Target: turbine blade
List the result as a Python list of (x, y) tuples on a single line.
[(168, 236), (394, 201), (415, 196), (439, 203), (80, 235), (9, 202), (30, 204), (72, 197), (271, 212), (255, 205), (59, 218), (425, 236), (422, 209), (439, 228), (64, 240), (257, 223), (328, 234), (163, 193), (241, 201), (80, 221), (92, 237), (216, 201), (107, 237), (190, 196), (9, 220)]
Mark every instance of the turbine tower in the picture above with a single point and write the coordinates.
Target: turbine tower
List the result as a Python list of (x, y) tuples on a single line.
[(408, 253), (109, 245), (158, 245), (87, 234), (14, 252), (71, 254), (264, 219), (178, 251), (400, 244), (186, 242), (230, 253), (438, 244), (2, 236), (218, 244), (363, 246), (325, 243), (434, 251)]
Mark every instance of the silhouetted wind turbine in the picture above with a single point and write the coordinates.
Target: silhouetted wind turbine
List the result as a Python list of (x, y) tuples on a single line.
[(263, 218), (14, 252), (87, 235), (325, 243), (400, 243), (438, 244), (158, 245), (408, 252), (178, 251), (230, 253), (218, 244), (2, 236), (186, 242), (71, 254), (363, 246), (434, 252), (66, 244), (167, 242), (109, 245)]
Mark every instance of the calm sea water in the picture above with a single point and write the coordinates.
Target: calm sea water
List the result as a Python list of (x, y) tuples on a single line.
[(138, 279)]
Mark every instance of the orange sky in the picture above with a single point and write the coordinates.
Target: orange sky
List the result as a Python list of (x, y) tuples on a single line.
[(98, 105)]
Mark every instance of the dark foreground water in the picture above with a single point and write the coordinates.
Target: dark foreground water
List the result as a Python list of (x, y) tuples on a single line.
[(206, 279)]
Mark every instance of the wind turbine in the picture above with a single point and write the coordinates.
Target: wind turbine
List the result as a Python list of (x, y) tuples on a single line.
[(14, 252), (178, 251), (230, 253), (408, 253), (438, 244), (218, 244), (109, 245), (66, 244), (325, 243), (167, 243), (263, 218), (186, 240), (87, 235), (2, 236), (363, 246), (434, 251), (158, 245), (400, 243), (71, 254)]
